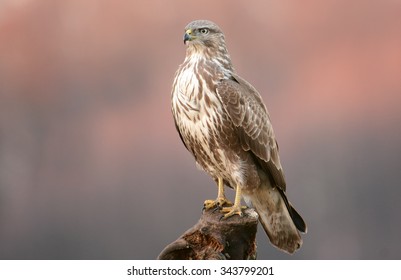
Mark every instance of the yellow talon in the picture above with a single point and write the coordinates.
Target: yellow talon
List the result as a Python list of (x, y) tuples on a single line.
[(231, 211), (221, 199), (209, 204)]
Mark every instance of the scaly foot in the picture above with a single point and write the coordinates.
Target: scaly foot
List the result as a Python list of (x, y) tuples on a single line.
[(221, 199), (219, 202), (233, 210), (236, 209)]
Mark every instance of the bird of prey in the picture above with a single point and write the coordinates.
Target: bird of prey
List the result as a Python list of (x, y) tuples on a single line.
[(224, 124)]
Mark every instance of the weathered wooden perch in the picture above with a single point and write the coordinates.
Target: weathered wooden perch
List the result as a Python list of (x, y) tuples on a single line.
[(213, 238)]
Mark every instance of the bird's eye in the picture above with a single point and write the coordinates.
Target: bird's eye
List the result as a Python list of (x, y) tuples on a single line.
[(204, 30)]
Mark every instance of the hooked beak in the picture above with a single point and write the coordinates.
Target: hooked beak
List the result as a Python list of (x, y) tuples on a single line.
[(188, 36)]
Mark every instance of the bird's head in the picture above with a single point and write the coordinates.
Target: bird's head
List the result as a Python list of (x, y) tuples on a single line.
[(205, 39), (203, 33)]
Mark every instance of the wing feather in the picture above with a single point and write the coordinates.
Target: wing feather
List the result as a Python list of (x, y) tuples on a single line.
[(255, 132)]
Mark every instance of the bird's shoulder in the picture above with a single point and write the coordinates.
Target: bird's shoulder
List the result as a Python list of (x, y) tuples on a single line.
[(237, 87)]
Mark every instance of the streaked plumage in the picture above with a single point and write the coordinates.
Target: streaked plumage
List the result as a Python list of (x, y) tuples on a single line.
[(224, 123)]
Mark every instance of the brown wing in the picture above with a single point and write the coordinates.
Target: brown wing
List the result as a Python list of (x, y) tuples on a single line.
[(249, 114)]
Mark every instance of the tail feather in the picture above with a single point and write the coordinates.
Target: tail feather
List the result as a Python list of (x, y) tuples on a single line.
[(298, 221), (279, 219), (295, 216)]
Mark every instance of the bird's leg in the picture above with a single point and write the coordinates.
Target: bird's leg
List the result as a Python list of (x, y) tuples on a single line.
[(236, 209), (221, 197)]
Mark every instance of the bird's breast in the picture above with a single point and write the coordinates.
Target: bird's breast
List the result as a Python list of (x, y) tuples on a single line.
[(194, 97)]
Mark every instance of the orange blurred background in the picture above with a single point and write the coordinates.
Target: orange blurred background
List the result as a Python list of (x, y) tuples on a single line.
[(91, 166)]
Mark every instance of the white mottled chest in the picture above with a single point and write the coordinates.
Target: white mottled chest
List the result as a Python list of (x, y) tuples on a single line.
[(194, 116), (195, 104)]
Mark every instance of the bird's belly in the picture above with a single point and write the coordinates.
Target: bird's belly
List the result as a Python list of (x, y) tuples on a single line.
[(215, 146)]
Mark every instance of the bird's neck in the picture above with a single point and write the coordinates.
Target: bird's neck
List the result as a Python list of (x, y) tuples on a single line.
[(215, 54)]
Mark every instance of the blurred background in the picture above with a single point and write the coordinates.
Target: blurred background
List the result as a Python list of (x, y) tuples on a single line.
[(91, 166)]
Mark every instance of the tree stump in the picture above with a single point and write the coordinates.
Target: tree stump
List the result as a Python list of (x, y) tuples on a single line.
[(214, 238)]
